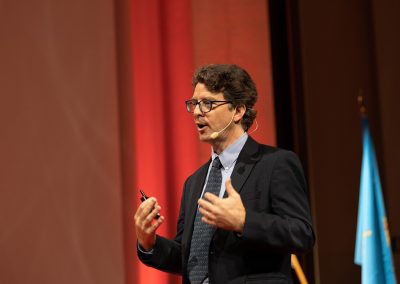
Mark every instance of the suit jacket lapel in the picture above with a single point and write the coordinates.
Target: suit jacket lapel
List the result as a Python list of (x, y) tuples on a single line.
[(248, 157), (196, 187)]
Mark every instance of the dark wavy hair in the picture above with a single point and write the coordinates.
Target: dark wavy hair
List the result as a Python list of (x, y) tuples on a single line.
[(235, 84)]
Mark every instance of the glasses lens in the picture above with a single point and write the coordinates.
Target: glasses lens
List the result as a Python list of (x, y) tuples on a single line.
[(205, 105), (191, 105)]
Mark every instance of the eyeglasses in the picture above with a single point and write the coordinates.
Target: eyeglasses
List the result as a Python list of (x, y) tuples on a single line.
[(204, 105)]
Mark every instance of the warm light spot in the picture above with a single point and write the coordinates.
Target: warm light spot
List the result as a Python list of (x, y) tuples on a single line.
[(367, 234), (386, 228)]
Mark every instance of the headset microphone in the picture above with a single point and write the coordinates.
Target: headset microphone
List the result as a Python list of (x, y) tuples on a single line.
[(215, 135)]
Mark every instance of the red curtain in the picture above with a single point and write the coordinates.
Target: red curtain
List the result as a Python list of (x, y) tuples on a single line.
[(169, 39), (164, 139), (237, 32)]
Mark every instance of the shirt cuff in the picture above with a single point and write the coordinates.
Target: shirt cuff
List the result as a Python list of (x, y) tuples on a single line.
[(142, 250), (238, 235)]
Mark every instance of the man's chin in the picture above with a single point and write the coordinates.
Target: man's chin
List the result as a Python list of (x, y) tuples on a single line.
[(205, 137)]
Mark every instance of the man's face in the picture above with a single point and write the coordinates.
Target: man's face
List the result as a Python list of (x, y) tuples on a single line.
[(216, 119)]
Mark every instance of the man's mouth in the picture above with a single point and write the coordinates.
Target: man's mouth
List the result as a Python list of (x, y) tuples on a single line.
[(201, 126)]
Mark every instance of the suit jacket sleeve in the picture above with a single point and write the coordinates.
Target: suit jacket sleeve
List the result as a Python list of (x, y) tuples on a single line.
[(285, 223)]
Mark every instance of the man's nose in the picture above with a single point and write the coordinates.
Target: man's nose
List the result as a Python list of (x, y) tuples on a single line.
[(197, 111)]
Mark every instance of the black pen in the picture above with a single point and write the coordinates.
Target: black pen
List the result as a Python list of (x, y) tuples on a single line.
[(145, 197)]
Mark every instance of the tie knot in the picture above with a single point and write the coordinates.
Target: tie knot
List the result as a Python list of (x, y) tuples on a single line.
[(216, 163)]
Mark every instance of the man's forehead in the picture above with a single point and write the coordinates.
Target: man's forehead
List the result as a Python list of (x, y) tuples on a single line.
[(206, 95)]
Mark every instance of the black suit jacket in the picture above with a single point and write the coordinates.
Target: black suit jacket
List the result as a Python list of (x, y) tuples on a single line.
[(273, 190)]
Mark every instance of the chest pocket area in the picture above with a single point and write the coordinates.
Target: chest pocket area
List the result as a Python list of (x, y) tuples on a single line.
[(250, 195)]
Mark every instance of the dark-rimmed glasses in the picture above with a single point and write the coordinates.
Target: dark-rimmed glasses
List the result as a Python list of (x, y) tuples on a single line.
[(204, 105)]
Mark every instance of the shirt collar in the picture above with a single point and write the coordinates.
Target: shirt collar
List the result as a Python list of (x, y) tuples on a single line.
[(231, 153)]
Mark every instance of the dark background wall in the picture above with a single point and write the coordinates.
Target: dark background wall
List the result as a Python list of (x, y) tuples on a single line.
[(345, 47)]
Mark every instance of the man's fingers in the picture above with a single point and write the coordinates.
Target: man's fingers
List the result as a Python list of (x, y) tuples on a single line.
[(208, 221), (153, 214), (146, 213), (210, 197), (146, 206), (205, 204), (154, 226), (146, 224), (207, 214)]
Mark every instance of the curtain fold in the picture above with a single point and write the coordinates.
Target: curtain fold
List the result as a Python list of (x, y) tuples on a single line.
[(164, 139)]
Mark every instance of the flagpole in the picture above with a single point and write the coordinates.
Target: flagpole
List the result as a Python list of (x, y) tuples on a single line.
[(361, 103), (299, 271), (372, 249)]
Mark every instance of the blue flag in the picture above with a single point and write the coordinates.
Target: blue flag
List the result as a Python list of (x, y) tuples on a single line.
[(373, 251)]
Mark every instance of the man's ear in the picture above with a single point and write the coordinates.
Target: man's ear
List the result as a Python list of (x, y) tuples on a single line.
[(239, 113)]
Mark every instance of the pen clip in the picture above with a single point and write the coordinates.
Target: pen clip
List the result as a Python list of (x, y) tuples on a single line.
[(143, 194)]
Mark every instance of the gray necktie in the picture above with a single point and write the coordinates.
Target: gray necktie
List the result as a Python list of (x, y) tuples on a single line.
[(202, 233)]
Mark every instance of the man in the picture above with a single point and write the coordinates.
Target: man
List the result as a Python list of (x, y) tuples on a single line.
[(244, 212)]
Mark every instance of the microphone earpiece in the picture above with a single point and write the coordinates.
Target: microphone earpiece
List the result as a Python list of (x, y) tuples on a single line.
[(214, 135)]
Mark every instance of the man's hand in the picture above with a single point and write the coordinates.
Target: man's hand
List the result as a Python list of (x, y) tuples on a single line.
[(145, 223), (227, 213)]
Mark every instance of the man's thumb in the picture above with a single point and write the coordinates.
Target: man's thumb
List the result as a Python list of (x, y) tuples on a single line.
[(229, 188)]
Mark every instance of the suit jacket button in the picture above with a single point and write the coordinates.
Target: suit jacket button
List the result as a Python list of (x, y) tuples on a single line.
[(212, 252)]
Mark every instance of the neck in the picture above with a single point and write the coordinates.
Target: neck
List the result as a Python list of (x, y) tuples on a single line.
[(220, 144)]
